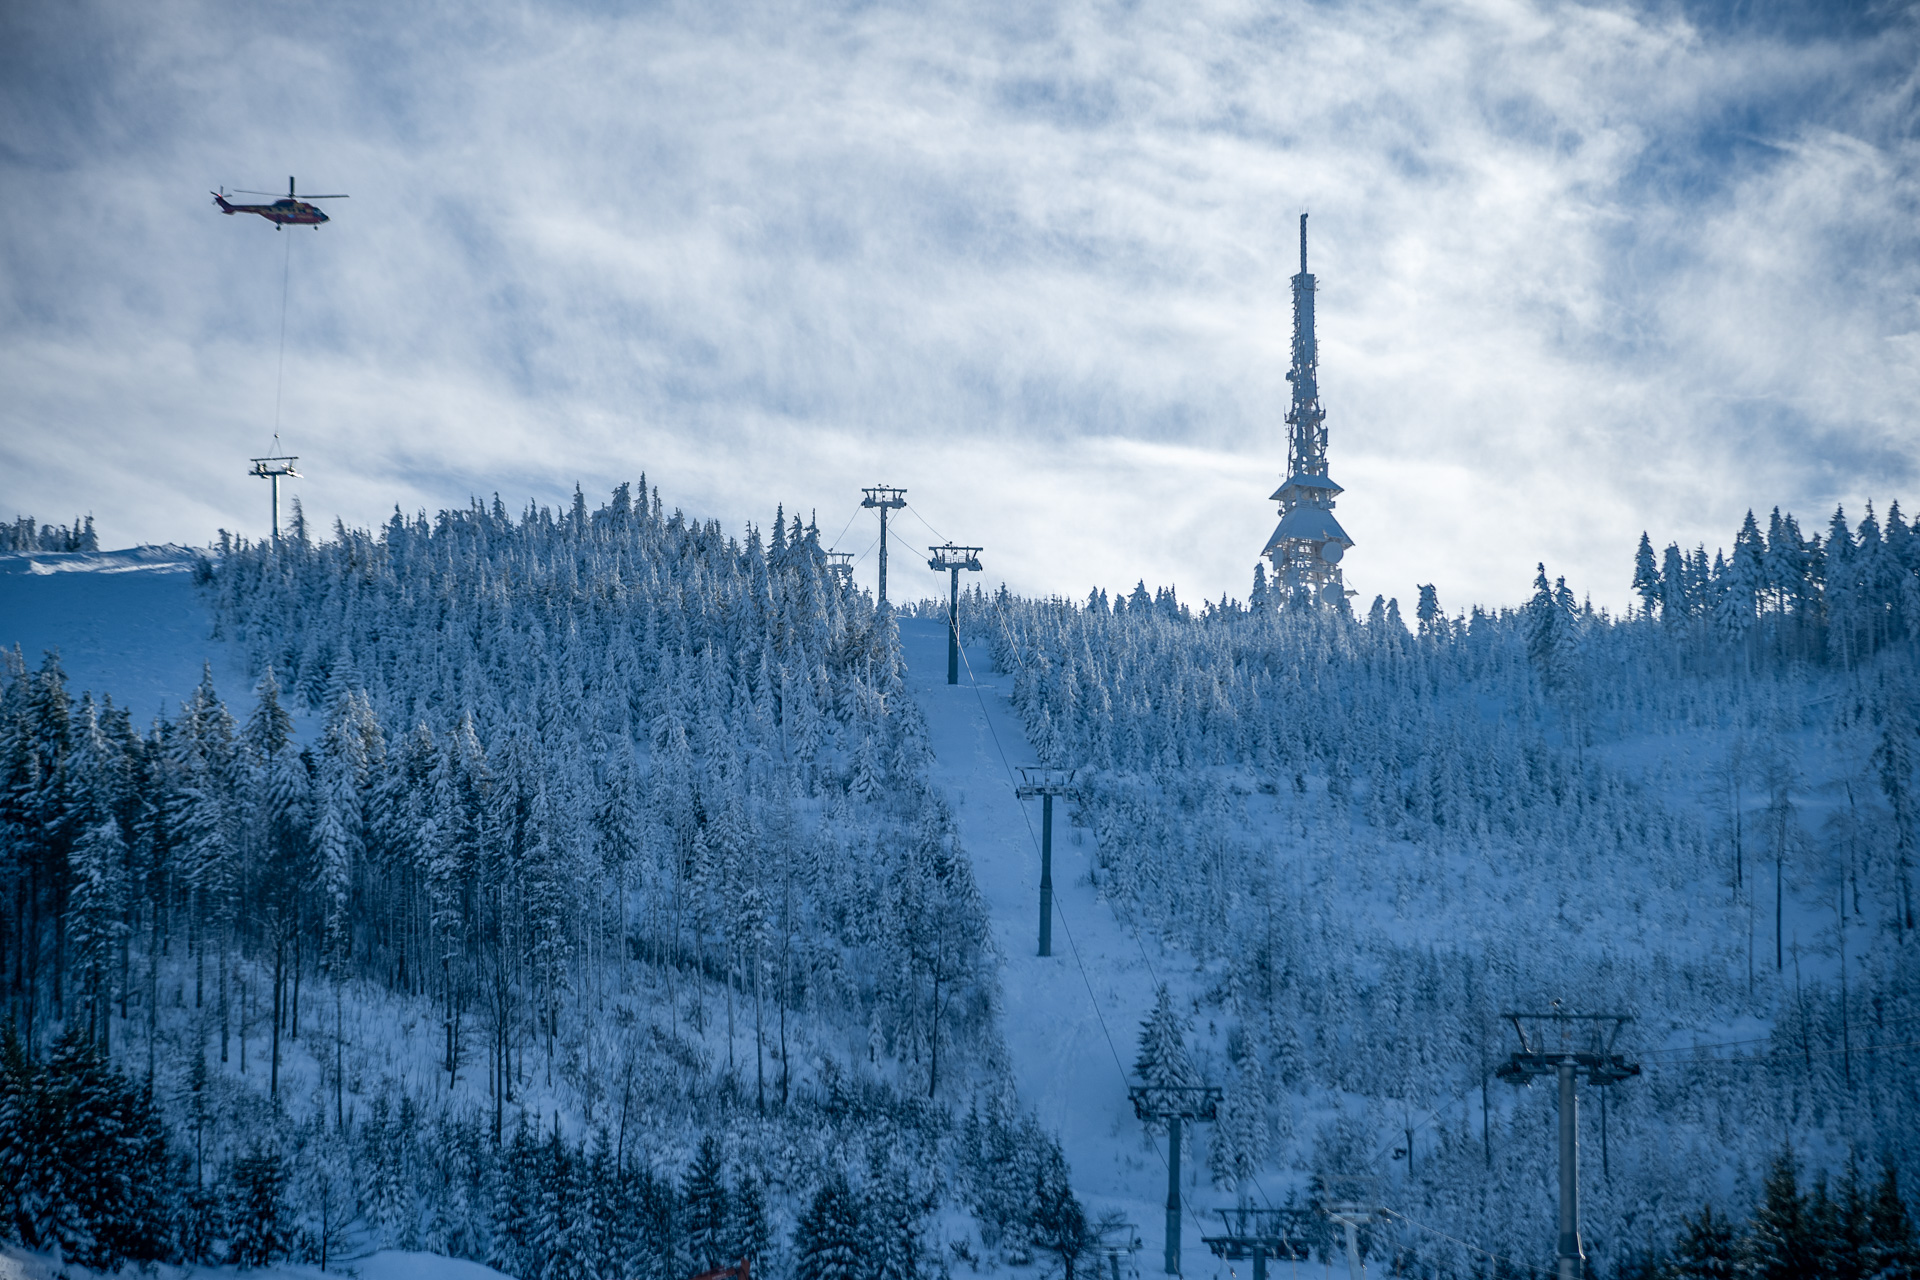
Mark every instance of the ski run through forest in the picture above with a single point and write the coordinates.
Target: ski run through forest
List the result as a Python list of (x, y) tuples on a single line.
[(593, 893)]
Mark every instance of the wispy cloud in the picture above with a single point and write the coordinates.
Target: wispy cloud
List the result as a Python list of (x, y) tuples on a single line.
[(1584, 270)]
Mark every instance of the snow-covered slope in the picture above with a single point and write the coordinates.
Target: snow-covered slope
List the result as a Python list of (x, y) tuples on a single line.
[(1070, 1020), (383, 1264), (127, 623)]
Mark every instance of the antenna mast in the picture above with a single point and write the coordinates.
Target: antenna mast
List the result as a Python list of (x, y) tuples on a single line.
[(1308, 544)]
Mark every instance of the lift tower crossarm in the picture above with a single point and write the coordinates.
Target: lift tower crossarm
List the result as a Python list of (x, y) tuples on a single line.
[(886, 498), (1045, 783), (953, 559)]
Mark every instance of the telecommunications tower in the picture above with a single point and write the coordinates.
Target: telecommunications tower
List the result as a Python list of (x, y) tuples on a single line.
[(1307, 546)]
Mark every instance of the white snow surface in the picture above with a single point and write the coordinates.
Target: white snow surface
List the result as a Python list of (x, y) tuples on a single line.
[(387, 1264), (127, 623)]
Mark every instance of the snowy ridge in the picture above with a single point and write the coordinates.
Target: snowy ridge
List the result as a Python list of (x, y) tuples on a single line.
[(166, 558)]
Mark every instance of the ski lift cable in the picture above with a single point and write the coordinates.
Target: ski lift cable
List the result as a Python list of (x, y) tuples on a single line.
[(923, 520), (843, 531), (1133, 925), (864, 554), (1444, 1104), (1007, 765), (1758, 1060), (1065, 928), (1684, 1051)]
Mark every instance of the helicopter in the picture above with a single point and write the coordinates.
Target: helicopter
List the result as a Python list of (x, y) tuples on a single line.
[(291, 211)]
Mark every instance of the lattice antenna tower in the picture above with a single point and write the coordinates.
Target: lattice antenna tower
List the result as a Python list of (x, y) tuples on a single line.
[(271, 469), (1308, 544)]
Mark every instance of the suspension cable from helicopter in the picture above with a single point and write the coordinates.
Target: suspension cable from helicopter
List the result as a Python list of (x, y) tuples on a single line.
[(280, 375)]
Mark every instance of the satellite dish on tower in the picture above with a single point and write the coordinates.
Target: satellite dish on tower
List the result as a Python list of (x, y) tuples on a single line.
[(1331, 552), (1332, 594)]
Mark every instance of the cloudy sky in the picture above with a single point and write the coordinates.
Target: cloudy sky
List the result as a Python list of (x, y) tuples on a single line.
[(1584, 270)]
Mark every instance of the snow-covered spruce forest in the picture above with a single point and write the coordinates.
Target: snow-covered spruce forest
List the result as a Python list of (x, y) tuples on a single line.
[(615, 836), (604, 921), (1374, 842)]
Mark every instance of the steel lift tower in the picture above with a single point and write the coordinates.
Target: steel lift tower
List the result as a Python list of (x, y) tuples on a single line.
[(1596, 1060), (271, 469), (886, 498), (1174, 1103), (1045, 783), (953, 559), (1307, 546)]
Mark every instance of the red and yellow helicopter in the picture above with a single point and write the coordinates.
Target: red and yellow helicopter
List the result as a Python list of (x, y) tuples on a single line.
[(293, 211)]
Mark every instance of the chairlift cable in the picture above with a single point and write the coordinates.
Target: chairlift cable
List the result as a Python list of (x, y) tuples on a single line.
[(864, 554), (923, 520), (1133, 926), (843, 531)]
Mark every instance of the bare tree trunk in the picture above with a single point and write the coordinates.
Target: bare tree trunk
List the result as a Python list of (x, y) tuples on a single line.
[(339, 1064), (32, 949), (293, 1019), (759, 1038), (279, 985), (225, 1029), (153, 993)]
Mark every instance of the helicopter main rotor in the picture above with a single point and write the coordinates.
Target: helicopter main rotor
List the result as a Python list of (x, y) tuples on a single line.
[(291, 195)]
